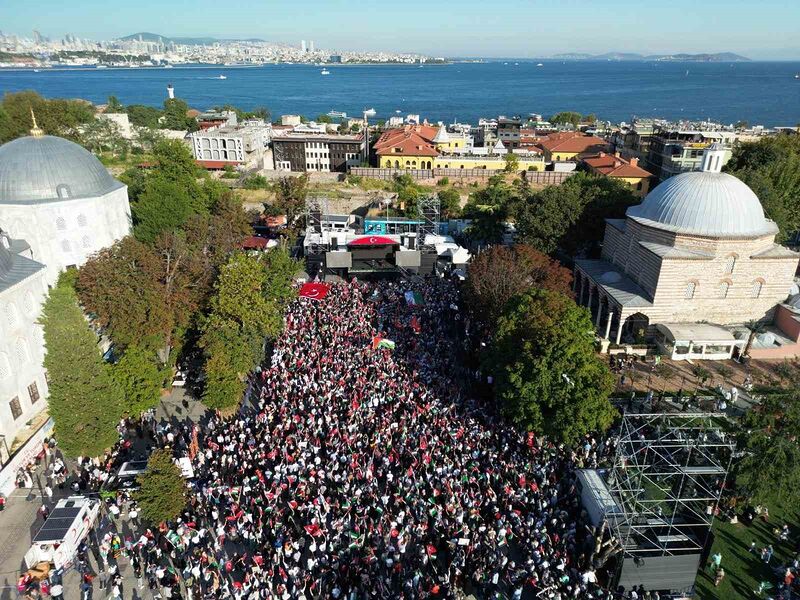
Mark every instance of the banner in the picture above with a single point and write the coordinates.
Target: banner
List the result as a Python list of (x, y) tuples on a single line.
[(414, 298), (380, 342), (314, 291)]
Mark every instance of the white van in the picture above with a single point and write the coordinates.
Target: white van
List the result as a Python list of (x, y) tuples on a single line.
[(596, 497), (59, 537)]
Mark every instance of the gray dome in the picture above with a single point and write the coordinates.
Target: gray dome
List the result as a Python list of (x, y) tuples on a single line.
[(706, 204), (48, 168)]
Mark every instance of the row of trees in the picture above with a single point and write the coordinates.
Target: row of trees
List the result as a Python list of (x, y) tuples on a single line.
[(55, 117)]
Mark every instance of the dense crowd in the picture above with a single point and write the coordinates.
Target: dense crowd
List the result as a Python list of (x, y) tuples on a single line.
[(359, 471)]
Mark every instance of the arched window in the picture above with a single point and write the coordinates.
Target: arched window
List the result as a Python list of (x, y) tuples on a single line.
[(65, 246), (724, 286), (396, 164), (30, 302), (730, 262), (87, 243), (690, 289), (82, 220), (5, 366), (61, 223), (22, 351), (755, 292), (11, 315)]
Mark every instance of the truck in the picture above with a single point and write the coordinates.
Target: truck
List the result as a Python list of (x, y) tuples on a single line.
[(58, 539), (596, 498)]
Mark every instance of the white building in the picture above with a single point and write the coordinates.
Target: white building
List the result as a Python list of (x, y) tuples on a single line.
[(58, 206), (22, 379), (61, 200), (243, 144)]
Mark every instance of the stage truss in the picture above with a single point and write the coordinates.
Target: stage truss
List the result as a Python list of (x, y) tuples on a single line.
[(667, 478), (429, 211)]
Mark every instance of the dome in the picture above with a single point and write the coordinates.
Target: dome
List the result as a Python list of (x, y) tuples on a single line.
[(48, 168), (704, 203)]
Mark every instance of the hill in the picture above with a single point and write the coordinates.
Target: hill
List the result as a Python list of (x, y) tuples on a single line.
[(681, 57)]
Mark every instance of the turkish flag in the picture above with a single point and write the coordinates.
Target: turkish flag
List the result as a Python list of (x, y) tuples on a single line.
[(314, 291)]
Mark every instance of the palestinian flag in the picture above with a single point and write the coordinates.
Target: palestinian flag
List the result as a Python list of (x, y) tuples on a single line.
[(414, 298), (381, 342)]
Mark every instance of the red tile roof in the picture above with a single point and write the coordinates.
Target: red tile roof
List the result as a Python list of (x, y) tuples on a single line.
[(572, 142), (409, 141), (613, 165), (253, 242)]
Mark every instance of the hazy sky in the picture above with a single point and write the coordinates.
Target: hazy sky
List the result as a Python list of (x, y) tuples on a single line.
[(766, 29)]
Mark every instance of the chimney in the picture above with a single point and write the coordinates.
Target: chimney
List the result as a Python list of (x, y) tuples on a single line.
[(634, 162)]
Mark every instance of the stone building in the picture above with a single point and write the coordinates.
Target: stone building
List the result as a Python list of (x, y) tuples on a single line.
[(697, 250)]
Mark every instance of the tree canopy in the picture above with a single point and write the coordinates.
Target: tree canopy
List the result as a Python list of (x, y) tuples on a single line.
[(55, 117), (566, 118), (250, 296), (85, 401), (162, 492), (546, 374), (290, 196), (499, 273)]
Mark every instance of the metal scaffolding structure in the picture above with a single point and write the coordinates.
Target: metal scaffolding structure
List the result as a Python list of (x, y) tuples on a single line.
[(316, 211), (667, 479), (429, 211)]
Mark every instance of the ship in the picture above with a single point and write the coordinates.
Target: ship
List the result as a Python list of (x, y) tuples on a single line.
[(337, 114), (324, 72)]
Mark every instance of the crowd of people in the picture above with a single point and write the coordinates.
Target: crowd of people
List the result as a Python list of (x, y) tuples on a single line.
[(359, 467)]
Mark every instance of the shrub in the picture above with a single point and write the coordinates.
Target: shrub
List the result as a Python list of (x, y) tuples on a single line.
[(701, 373), (255, 182), (443, 181), (354, 179)]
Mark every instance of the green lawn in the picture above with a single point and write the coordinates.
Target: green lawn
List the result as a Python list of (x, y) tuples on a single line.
[(744, 571)]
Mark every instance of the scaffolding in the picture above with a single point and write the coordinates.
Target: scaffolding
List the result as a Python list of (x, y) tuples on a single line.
[(668, 474), (429, 210), (316, 211)]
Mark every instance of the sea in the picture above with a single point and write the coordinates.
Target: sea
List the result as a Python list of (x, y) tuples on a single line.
[(761, 93)]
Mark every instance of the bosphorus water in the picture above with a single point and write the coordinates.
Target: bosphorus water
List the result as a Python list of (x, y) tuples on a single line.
[(758, 92)]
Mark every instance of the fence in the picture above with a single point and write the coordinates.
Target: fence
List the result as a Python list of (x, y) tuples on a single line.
[(533, 177)]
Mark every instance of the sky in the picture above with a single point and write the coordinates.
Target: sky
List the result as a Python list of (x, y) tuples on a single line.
[(764, 29)]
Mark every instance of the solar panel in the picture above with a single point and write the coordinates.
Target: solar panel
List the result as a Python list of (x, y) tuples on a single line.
[(57, 525)]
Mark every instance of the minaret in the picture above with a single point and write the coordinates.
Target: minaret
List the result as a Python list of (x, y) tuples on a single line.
[(35, 131), (713, 157)]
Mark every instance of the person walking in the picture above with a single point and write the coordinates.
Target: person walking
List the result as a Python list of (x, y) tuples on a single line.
[(720, 575)]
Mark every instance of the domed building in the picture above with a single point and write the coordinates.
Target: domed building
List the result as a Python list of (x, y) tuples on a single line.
[(693, 261), (59, 198), (58, 205)]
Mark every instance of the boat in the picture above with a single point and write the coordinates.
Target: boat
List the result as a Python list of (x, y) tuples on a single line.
[(101, 67), (36, 70), (797, 76), (516, 64), (222, 77), (539, 65), (337, 114), (324, 72), (370, 112), (168, 66)]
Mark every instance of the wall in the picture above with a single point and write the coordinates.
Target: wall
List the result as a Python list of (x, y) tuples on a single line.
[(22, 457), (533, 177)]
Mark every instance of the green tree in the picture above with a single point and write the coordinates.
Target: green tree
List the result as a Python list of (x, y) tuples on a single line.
[(545, 219), (547, 375), (54, 117), (85, 401), (114, 105), (162, 492), (499, 273), (324, 119), (140, 379), (511, 161), (103, 135), (164, 206), (175, 116), (143, 116), (250, 296), (449, 203), (770, 469), (566, 118), (290, 196), (147, 137)]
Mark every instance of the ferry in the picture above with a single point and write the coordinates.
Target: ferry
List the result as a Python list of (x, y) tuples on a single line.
[(222, 77), (337, 114), (324, 72)]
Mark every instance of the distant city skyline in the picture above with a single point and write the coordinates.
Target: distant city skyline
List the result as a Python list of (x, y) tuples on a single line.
[(511, 28)]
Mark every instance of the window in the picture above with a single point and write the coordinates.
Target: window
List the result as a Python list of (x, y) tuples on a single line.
[(22, 351), (61, 223), (82, 220), (65, 246), (723, 289), (30, 302), (5, 366), (16, 409), (11, 315), (87, 243), (756, 291), (33, 392), (730, 262), (690, 288)]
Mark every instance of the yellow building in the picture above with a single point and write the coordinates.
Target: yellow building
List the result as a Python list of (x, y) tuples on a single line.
[(448, 142), (568, 145)]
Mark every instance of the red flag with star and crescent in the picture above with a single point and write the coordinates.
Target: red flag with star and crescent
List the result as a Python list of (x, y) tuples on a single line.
[(314, 291)]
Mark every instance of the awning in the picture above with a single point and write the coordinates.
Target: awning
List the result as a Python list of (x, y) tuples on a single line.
[(698, 333), (373, 240)]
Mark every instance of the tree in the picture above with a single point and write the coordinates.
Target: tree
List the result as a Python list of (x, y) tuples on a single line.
[(54, 117), (250, 296), (103, 135), (754, 327), (140, 379), (449, 203), (511, 161), (566, 118), (85, 401), (162, 491), (487, 222), (163, 207), (324, 119), (147, 137), (546, 218), (114, 105), (547, 376), (499, 273), (175, 116), (290, 196), (143, 116), (770, 469)]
